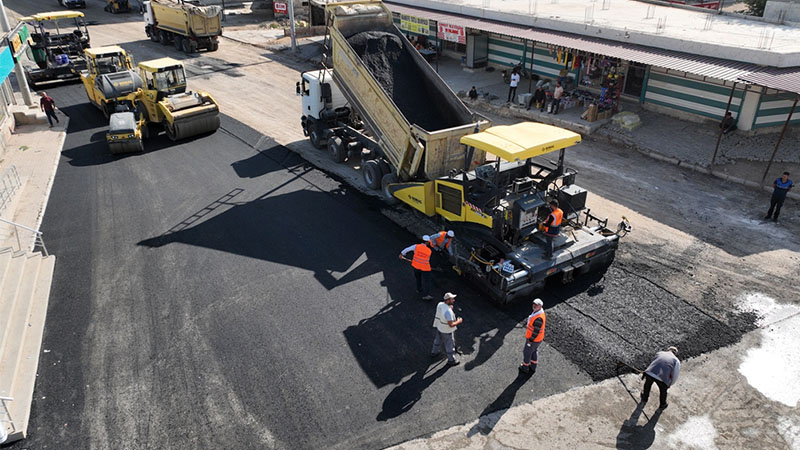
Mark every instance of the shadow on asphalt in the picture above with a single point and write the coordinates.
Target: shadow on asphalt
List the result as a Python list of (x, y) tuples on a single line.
[(502, 402), (407, 394)]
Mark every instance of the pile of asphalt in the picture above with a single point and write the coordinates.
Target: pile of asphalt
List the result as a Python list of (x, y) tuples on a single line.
[(602, 321), (404, 81)]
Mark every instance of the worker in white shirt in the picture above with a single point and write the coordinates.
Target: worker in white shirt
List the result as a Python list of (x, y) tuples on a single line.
[(444, 328), (512, 84), (663, 371), (557, 94)]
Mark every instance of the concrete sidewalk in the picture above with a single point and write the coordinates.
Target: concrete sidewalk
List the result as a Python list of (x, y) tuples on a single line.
[(743, 396), (34, 149)]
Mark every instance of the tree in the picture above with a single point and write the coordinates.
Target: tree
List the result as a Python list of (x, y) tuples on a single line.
[(755, 7)]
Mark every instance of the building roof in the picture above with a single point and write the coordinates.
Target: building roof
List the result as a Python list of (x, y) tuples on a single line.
[(55, 15), (780, 79), (521, 141), (154, 65)]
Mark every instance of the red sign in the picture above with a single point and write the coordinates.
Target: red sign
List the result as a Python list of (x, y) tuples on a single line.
[(280, 7), (452, 33)]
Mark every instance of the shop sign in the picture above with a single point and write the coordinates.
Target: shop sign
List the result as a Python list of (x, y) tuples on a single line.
[(452, 33), (280, 7), (17, 39), (414, 24)]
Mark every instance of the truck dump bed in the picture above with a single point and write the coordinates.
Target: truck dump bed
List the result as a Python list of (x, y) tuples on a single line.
[(409, 109), (202, 21)]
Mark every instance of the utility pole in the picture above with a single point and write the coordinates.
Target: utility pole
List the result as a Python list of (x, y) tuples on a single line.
[(21, 80), (291, 20)]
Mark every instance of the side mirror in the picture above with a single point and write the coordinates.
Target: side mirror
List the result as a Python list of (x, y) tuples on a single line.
[(327, 95), (297, 89)]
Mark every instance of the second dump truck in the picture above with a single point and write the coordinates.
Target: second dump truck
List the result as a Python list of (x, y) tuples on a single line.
[(188, 27), (381, 107)]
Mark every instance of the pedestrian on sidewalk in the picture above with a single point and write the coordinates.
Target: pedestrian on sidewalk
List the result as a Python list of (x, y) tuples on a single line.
[(781, 186), (728, 123), (512, 85), (663, 371), (538, 99), (534, 334), (557, 94), (444, 328), (48, 105), (421, 263)]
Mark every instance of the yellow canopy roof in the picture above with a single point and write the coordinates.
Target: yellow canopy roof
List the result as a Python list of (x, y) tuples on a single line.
[(55, 15), (107, 50), (154, 65), (522, 141)]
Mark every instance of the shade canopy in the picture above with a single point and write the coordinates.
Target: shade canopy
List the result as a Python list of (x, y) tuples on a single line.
[(522, 141), (55, 15)]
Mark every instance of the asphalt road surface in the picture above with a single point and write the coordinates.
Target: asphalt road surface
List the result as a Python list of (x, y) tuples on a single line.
[(223, 293)]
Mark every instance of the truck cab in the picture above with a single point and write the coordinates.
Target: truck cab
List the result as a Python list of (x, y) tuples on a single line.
[(322, 102)]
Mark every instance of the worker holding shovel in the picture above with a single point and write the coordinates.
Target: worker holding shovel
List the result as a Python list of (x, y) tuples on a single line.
[(421, 263)]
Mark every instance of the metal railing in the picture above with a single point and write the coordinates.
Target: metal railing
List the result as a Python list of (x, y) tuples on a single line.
[(37, 236), (9, 183)]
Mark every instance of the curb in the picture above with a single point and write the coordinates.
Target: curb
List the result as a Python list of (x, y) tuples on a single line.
[(691, 166), (62, 137)]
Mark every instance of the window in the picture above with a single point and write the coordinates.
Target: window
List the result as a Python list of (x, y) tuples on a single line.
[(170, 80), (451, 199), (109, 64)]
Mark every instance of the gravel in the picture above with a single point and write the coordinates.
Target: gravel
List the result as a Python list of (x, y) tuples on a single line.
[(405, 82)]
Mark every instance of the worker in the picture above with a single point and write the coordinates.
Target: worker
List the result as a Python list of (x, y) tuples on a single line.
[(664, 372), (443, 240), (421, 263), (444, 328), (781, 186), (534, 334), (552, 226)]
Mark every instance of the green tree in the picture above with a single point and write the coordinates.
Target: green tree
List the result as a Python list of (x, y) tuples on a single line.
[(755, 7)]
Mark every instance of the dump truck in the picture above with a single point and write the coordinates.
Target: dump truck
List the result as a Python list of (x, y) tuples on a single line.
[(382, 108), (57, 42), (188, 27)]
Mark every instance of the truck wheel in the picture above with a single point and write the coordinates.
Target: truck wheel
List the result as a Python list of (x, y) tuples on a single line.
[(337, 150), (385, 167), (213, 47), (186, 46), (178, 41), (386, 180), (163, 37), (153, 35), (315, 139), (372, 174)]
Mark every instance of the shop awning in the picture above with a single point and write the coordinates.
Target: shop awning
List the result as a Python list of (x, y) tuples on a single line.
[(522, 141), (781, 79), (668, 59)]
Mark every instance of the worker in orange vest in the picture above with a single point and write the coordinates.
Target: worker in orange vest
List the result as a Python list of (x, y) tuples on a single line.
[(443, 240), (534, 334), (552, 226), (421, 263)]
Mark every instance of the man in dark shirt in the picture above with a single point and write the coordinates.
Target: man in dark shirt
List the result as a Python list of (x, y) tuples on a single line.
[(728, 123), (48, 105), (473, 93), (538, 99), (782, 187)]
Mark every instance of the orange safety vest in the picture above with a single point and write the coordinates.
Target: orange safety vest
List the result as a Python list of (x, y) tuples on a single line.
[(555, 227), (422, 258), (440, 238), (531, 319)]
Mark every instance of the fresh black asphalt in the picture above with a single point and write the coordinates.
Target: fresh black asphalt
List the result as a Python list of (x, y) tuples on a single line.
[(223, 293)]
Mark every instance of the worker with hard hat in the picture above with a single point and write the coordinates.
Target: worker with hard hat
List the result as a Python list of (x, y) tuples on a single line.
[(443, 240), (421, 263), (534, 334), (552, 226)]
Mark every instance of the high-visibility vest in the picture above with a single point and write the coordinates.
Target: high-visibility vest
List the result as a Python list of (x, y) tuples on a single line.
[(422, 258), (440, 238), (531, 319), (555, 227)]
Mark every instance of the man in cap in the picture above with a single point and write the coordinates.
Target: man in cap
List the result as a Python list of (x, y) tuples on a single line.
[(421, 263), (534, 334), (664, 372), (443, 240), (444, 328)]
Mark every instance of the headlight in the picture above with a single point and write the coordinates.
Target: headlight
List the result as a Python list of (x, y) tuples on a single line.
[(113, 137), (130, 135)]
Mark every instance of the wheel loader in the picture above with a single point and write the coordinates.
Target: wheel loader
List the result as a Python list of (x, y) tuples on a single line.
[(117, 6)]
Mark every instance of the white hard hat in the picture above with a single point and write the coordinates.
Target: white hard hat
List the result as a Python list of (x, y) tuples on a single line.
[(426, 238), (450, 233), (538, 301)]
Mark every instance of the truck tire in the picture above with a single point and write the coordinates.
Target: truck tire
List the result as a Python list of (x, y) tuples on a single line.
[(186, 46), (386, 180), (178, 41), (372, 174), (385, 167), (152, 34), (214, 46), (315, 139), (337, 150), (163, 37)]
